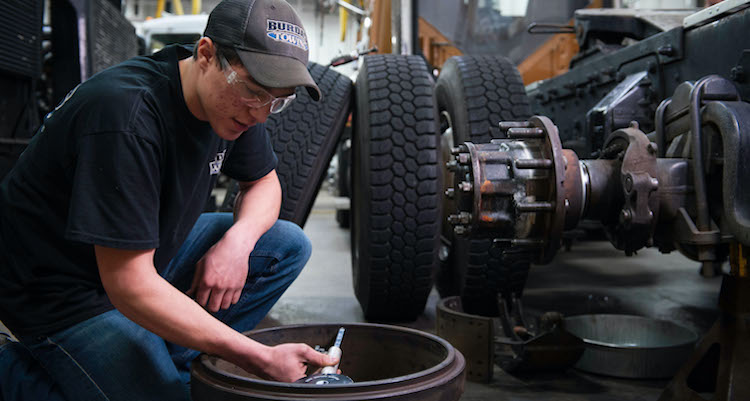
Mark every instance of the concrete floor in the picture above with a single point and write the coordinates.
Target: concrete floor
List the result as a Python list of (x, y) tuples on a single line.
[(592, 278)]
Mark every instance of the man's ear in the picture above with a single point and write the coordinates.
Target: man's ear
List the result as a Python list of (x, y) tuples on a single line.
[(206, 52)]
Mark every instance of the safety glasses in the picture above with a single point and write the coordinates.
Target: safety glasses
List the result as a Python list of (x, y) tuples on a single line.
[(252, 94)]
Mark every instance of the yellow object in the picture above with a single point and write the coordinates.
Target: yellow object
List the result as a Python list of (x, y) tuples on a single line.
[(196, 6), (178, 7), (343, 16), (380, 31), (738, 259), (159, 8)]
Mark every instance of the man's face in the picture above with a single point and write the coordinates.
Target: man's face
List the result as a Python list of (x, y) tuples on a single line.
[(234, 101)]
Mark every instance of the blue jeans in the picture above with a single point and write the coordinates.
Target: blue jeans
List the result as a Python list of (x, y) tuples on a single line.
[(108, 357)]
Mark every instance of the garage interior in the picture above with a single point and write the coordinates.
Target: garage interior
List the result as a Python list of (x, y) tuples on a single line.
[(519, 181)]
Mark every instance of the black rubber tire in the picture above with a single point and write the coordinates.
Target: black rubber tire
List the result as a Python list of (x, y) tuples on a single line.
[(478, 93), (343, 172), (304, 137), (343, 176), (343, 218), (396, 187)]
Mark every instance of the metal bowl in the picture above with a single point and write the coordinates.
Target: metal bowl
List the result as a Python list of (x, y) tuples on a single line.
[(385, 362), (631, 346)]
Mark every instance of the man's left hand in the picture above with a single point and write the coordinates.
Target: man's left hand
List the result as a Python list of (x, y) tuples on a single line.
[(220, 277)]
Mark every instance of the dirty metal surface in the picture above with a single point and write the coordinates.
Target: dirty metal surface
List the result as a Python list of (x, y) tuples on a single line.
[(473, 335)]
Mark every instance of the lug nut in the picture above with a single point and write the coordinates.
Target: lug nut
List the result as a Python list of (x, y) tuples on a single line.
[(459, 230), (455, 150), (454, 219), (626, 216), (465, 186), (451, 165), (444, 253), (464, 217), (628, 183), (464, 158), (450, 193)]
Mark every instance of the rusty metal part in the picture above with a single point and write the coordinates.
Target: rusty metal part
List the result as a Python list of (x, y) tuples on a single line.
[(385, 362), (514, 188), (552, 348), (505, 340), (473, 335), (524, 190), (638, 176)]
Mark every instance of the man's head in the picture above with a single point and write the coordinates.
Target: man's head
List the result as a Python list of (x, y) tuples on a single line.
[(250, 60), (268, 38)]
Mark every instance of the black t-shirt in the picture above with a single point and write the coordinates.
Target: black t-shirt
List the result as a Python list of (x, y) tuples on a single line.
[(122, 163)]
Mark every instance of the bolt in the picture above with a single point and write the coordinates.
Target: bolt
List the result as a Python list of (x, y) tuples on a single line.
[(455, 150), (465, 186), (453, 219), (626, 216), (651, 148), (459, 230), (451, 165), (634, 125), (443, 253), (628, 183), (464, 217), (450, 193), (464, 158), (654, 183)]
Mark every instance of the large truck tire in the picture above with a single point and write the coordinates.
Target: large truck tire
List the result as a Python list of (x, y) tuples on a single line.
[(396, 187), (304, 137), (343, 175), (474, 94)]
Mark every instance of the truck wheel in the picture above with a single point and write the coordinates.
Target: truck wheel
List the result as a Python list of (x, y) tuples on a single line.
[(474, 94), (304, 137), (396, 187), (343, 175)]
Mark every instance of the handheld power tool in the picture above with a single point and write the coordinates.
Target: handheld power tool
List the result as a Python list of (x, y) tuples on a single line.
[(328, 375)]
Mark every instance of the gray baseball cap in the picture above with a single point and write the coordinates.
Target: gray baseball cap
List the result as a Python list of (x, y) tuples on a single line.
[(269, 38)]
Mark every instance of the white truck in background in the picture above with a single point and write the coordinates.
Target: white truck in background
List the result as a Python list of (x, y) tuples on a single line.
[(159, 32)]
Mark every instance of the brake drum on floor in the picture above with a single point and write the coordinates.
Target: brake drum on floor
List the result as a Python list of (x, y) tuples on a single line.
[(385, 362)]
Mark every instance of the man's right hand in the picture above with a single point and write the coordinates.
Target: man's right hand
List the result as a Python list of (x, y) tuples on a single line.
[(289, 362)]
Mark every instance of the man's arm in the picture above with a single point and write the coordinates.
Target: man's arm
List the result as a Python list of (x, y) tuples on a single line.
[(138, 292), (221, 273)]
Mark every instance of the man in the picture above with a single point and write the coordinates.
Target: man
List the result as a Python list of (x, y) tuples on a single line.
[(102, 238)]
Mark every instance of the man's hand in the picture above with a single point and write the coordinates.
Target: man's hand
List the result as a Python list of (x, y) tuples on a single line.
[(220, 276), (289, 362)]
